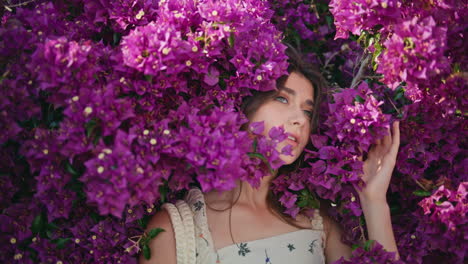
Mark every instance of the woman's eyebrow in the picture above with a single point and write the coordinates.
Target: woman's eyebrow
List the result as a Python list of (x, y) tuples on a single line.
[(292, 92)]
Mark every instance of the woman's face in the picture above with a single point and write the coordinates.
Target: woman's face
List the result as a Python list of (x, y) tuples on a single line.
[(292, 109)]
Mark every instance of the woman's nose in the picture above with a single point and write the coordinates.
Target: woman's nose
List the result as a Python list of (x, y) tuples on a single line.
[(297, 118)]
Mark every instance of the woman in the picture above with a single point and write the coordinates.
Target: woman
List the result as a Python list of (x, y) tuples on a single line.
[(244, 225)]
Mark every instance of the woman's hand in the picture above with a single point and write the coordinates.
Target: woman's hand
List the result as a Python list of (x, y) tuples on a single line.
[(379, 166)]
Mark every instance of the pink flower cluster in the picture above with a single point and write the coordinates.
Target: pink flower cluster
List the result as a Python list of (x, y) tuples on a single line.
[(357, 16)]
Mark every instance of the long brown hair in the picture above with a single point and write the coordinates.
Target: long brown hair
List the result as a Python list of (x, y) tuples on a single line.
[(252, 103)]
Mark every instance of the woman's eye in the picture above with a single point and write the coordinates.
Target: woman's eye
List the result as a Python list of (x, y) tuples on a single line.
[(281, 99), (308, 113)]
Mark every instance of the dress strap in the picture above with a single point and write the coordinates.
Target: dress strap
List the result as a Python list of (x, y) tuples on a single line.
[(317, 224), (204, 243), (182, 222)]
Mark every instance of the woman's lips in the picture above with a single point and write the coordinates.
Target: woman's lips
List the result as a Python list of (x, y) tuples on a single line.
[(292, 140)]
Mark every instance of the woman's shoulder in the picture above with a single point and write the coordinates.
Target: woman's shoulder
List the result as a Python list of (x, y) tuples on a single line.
[(176, 219), (164, 243)]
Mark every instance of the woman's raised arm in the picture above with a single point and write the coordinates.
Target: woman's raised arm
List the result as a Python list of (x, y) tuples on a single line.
[(378, 170)]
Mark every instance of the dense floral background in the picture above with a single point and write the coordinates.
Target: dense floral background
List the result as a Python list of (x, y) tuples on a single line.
[(110, 108)]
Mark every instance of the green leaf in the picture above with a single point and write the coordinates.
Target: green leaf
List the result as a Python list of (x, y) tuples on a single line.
[(422, 193), (90, 126), (154, 232), (96, 217), (163, 191), (376, 54), (257, 155), (76, 186), (255, 144), (368, 245), (29, 124), (398, 96), (222, 84), (3, 76), (362, 220), (146, 252), (143, 222), (395, 209), (329, 20), (201, 38), (307, 199), (262, 158), (370, 41), (51, 226), (362, 38), (61, 242), (69, 168), (359, 99), (149, 78), (231, 39), (93, 130), (302, 203), (314, 203), (116, 38), (409, 43), (37, 224)]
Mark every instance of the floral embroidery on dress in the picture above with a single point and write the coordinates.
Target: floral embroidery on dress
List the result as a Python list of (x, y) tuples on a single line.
[(203, 237), (243, 249), (312, 246), (267, 258), (198, 205), (291, 247)]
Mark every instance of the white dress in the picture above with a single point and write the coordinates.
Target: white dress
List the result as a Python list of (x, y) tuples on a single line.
[(195, 244)]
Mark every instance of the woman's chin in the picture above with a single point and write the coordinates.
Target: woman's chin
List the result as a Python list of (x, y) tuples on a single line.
[(287, 159)]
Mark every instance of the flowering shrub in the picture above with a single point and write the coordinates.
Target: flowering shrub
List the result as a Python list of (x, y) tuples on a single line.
[(111, 108)]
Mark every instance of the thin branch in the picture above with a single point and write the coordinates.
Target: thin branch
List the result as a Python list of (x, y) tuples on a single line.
[(136, 244), (356, 62), (314, 7), (330, 58), (420, 185), (9, 6), (374, 77), (394, 106), (362, 69)]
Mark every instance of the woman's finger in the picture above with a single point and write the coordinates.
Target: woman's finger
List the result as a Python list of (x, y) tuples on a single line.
[(395, 137), (387, 140), (378, 142)]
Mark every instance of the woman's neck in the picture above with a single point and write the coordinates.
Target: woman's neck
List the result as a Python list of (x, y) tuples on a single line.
[(243, 194), (255, 198)]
